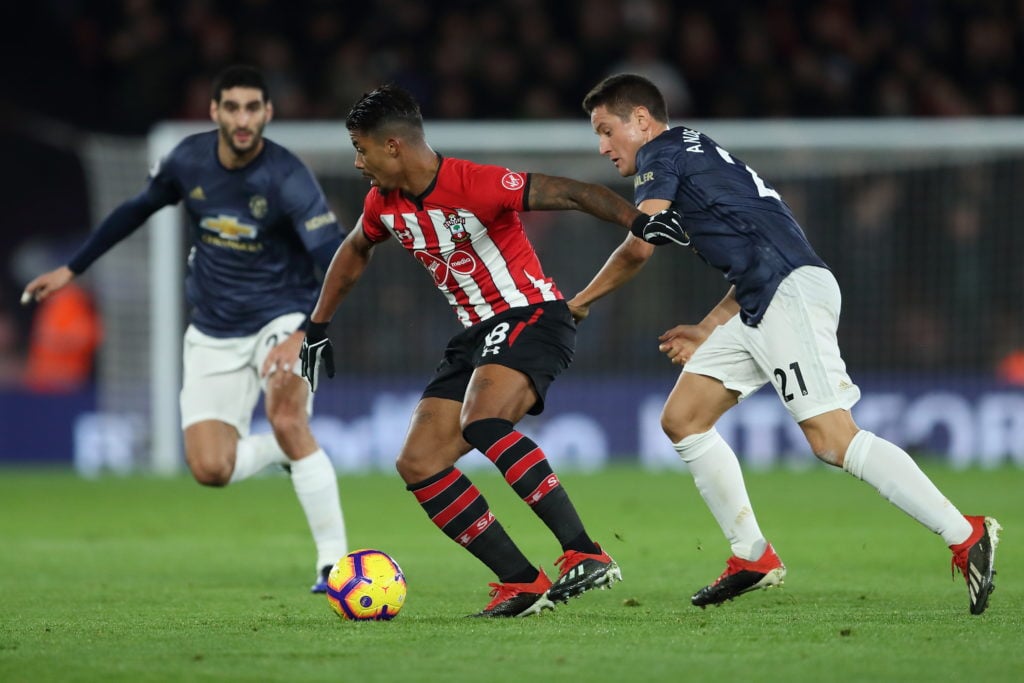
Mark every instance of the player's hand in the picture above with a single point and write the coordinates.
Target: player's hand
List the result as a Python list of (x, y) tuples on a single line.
[(316, 351), (680, 342), (579, 311), (46, 284), (281, 360), (664, 227)]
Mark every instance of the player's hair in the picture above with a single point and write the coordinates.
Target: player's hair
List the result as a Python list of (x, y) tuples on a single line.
[(239, 76), (622, 92), (387, 107)]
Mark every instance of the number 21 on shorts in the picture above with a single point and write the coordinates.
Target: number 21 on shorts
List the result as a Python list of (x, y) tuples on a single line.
[(782, 376)]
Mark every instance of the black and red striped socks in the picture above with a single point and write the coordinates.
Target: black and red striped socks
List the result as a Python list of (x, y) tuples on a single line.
[(527, 471), (456, 506)]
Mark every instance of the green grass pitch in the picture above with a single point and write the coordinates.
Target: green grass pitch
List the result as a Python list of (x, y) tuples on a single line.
[(143, 579)]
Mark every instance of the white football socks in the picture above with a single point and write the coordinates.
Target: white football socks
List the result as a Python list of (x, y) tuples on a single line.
[(316, 486), (897, 477), (253, 453), (716, 472)]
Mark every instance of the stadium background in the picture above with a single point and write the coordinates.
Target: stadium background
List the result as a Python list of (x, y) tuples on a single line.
[(918, 222)]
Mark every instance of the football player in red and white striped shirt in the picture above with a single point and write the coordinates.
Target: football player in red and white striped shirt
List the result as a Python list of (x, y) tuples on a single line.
[(460, 220)]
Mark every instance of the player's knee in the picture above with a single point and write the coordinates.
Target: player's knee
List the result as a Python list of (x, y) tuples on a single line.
[(678, 425), (210, 470), (405, 471), (829, 436), (415, 466), (210, 447), (409, 470), (829, 450)]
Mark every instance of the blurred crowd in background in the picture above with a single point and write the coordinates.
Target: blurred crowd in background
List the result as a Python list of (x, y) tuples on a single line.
[(118, 67), (126, 64)]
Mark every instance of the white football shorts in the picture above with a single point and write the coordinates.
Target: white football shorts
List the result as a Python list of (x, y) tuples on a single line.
[(221, 378), (794, 347)]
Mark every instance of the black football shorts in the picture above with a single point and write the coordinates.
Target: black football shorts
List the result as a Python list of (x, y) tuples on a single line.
[(537, 340)]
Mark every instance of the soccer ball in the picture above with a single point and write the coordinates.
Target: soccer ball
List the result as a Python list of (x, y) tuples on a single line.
[(366, 584)]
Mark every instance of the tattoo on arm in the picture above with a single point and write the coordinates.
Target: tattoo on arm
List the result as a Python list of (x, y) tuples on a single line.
[(556, 193)]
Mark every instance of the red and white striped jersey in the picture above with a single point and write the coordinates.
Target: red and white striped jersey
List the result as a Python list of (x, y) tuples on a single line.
[(465, 230)]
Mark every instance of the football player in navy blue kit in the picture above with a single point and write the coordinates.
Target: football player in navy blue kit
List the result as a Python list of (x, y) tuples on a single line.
[(260, 225), (776, 324)]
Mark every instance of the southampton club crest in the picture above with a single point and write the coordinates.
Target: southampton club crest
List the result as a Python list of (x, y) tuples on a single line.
[(258, 206), (456, 226)]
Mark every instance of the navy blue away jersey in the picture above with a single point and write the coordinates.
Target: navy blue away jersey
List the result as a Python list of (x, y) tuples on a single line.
[(735, 220), (253, 230)]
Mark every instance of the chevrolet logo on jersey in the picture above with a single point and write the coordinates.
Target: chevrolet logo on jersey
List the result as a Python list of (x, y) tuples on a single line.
[(228, 227)]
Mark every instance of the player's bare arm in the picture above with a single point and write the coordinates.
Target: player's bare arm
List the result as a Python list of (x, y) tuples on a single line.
[(653, 206), (722, 312), (623, 264), (680, 342), (347, 266), (557, 193)]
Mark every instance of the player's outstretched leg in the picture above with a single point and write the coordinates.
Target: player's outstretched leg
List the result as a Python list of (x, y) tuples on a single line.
[(975, 559), (898, 478), (742, 576), (583, 564), (456, 507)]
